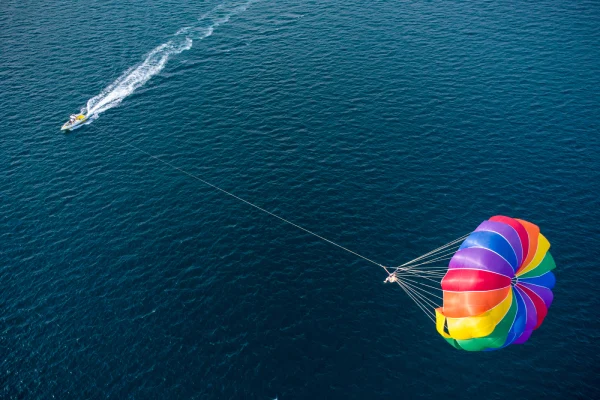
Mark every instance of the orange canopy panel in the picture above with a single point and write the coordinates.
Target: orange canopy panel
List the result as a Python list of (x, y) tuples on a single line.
[(469, 304)]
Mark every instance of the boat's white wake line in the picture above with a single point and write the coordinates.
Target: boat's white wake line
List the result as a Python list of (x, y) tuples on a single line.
[(135, 77), (156, 60)]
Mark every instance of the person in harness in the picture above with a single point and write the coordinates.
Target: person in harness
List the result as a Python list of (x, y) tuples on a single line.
[(391, 278)]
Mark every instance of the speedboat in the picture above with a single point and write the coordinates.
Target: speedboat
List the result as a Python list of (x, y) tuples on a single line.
[(74, 122)]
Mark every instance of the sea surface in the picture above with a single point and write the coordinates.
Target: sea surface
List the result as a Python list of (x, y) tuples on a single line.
[(388, 127)]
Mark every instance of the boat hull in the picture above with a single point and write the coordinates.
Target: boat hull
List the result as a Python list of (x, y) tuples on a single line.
[(69, 127)]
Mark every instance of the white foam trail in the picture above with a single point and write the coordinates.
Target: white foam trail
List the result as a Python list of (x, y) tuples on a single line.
[(135, 77), (156, 60)]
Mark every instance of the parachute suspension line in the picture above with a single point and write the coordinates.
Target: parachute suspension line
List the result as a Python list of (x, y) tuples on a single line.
[(433, 299), (428, 305), (425, 267), (412, 282), (415, 275), (249, 203), (426, 302), (449, 250), (441, 253), (428, 268), (441, 258), (407, 290), (432, 252), (429, 271), (420, 274), (426, 259), (424, 299)]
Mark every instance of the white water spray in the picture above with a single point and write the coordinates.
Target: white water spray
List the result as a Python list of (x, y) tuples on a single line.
[(156, 60)]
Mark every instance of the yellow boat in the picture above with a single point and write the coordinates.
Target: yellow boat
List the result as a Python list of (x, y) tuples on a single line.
[(74, 122)]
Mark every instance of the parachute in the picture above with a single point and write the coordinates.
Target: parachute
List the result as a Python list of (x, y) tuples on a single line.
[(496, 289)]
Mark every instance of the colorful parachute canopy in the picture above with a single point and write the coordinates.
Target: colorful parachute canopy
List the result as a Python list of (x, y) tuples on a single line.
[(497, 289)]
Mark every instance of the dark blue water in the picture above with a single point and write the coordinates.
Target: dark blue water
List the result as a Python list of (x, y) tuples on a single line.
[(389, 127)]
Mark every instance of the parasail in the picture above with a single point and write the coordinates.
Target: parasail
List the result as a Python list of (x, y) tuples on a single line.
[(496, 289)]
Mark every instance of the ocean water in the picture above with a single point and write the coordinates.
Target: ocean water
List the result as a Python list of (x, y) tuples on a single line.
[(389, 127)]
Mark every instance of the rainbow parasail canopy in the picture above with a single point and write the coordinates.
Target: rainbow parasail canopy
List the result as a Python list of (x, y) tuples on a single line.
[(498, 286)]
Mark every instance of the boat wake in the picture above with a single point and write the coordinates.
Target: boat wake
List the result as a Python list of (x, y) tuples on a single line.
[(156, 60)]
